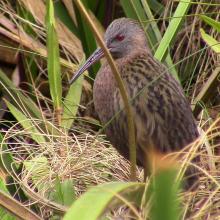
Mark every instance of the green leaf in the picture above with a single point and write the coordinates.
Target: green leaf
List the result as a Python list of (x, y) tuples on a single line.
[(17, 98), (158, 36), (23, 103), (71, 102), (172, 29), (214, 44), (26, 123), (53, 60), (215, 24), (92, 204), (165, 203), (64, 193), (62, 13)]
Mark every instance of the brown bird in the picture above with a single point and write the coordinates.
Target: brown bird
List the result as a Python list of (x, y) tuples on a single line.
[(162, 115)]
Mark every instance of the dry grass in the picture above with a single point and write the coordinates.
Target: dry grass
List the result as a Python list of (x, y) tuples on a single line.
[(89, 160)]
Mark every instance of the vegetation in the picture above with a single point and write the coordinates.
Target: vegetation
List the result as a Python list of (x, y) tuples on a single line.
[(53, 153)]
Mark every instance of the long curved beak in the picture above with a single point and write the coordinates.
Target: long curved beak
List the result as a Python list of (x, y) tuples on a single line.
[(96, 56)]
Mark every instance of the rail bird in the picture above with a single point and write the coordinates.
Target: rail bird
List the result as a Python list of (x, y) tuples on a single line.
[(162, 115)]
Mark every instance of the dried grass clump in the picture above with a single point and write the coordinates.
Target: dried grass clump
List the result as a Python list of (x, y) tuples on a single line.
[(84, 158)]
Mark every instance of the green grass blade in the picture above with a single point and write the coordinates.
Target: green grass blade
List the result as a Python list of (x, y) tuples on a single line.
[(16, 96), (22, 102), (158, 36), (26, 123), (62, 13), (71, 103), (92, 204), (53, 60), (215, 24), (172, 29), (156, 6), (214, 44)]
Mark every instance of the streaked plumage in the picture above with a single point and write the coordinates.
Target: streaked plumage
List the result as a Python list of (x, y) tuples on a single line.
[(162, 115)]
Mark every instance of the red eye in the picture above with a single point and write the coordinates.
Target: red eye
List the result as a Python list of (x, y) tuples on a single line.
[(120, 37)]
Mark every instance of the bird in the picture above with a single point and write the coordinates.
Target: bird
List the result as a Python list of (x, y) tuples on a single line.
[(163, 118)]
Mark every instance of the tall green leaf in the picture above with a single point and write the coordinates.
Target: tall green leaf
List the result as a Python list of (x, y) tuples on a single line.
[(71, 103), (53, 61), (172, 29)]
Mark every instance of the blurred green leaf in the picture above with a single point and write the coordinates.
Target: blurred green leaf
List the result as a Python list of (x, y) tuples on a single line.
[(165, 203), (92, 204), (214, 44), (53, 60), (156, 6), (215, 24), (63, 192)]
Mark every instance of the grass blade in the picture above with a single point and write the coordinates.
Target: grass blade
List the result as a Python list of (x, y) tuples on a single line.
[(26, 123), (71, 103), (172, 29), (214, 44), (53, 61), (215, 24), (158, 36)]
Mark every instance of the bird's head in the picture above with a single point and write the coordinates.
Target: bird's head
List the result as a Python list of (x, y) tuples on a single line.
[(122, 37)]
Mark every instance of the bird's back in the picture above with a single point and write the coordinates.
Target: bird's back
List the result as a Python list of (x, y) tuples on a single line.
[(162, 114)]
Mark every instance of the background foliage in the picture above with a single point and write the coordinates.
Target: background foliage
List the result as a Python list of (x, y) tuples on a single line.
[(52, 149)]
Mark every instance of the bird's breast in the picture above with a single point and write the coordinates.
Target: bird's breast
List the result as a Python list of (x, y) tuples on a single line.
[(103, 93)]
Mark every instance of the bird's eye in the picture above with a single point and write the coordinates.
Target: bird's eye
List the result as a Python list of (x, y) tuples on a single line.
[(120, 37)]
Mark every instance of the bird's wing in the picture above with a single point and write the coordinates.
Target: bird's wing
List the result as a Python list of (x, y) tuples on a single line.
[(162, 113)]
